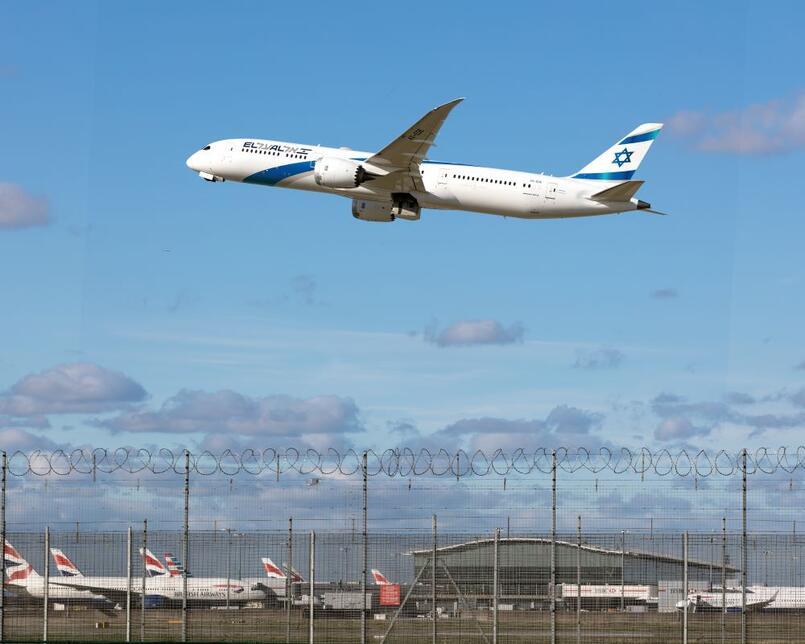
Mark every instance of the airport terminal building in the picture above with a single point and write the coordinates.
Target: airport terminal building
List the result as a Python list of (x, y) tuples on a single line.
[(524, 572)]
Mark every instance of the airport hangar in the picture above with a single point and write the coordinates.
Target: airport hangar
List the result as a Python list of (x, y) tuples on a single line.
[(524, 571)]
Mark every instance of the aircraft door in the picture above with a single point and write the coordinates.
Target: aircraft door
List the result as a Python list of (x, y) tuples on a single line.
[(531, 193), (550, 191), (533, 188)]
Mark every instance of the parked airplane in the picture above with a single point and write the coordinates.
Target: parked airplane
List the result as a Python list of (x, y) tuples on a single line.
[(275, 580), (731, 598), (398, 181), (21, 577), (161, 589)]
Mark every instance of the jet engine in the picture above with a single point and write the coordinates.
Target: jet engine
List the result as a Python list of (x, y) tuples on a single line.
[(338, 173), (372, 210)]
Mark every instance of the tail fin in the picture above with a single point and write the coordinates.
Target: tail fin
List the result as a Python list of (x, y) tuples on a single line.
[(18, 571), (293, 573), (380, 578), (66, 567), (175, 567), (272, 570), (620, 162), (153, 566)]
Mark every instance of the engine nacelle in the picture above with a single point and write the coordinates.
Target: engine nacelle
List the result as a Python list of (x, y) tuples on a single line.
[(331, 172), (372, 210)]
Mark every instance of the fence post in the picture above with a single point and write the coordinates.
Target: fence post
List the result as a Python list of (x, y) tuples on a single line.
[(365, 545), (685, 591), (142, 596), (46, 587), (553, 546), (228, 565), (312, 588), (723, 579), (495, 586), (623, 566), (185, 539), (288, 584), (433, 586), (578, 580), (744, 556), (3, 558), (128, 585)]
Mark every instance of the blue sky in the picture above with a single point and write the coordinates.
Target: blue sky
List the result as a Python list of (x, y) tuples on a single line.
[(143, 306)]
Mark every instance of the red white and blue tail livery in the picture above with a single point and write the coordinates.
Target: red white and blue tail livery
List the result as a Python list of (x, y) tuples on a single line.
[(66, 567), (153, 566)]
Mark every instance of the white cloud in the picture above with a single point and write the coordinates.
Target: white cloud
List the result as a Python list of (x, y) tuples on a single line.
[(603, 358), (18, 209), (474, 332), (191, 411), (678, 429), (761, 128), (72, 388)]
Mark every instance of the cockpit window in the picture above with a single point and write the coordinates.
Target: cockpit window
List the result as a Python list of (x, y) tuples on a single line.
[(207, 148)]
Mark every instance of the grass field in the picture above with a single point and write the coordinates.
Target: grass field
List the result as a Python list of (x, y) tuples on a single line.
[(260, 625)]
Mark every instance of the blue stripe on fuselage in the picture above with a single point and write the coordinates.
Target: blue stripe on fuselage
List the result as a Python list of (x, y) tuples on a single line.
[(605, 176), (272, 176)]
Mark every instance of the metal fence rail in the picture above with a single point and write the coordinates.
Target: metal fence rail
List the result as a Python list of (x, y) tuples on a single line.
[(621, 547)]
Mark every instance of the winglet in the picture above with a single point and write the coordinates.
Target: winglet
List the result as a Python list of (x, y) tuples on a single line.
[(410, 147)]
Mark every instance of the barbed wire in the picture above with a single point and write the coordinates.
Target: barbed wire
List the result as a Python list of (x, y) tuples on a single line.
[(406, 463)]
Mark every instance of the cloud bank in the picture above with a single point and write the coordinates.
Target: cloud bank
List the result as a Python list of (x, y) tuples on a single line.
[(773, 127)]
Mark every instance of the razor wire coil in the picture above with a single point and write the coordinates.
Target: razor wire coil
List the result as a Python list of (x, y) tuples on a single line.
[(407, 462)]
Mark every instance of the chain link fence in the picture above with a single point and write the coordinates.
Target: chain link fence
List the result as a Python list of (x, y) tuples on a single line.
[(403, 546)]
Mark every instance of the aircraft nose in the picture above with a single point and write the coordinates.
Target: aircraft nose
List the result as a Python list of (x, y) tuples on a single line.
[(192, 162)]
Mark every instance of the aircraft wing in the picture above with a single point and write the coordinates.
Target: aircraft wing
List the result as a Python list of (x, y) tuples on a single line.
[(401, 158), (113, 595)]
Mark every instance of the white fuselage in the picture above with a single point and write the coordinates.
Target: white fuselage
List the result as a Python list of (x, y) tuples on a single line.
[(169, 589), (447, 186), (757, 597)]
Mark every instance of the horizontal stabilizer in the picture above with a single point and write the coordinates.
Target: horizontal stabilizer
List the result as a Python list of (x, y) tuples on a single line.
[(622, 192)]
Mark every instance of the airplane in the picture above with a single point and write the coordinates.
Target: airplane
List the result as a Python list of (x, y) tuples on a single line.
[(275, 577), (398, 181), (380, 578), (161, 588), (24, 580), (713, 600)]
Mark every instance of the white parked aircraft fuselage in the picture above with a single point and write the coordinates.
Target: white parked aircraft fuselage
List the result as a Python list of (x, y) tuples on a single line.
[(199, 589)]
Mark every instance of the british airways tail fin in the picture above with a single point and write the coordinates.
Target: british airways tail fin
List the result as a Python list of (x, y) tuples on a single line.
[(18, 571), (66, 567), (153, 566), (272, 570), (620, 162), (174, 565)]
